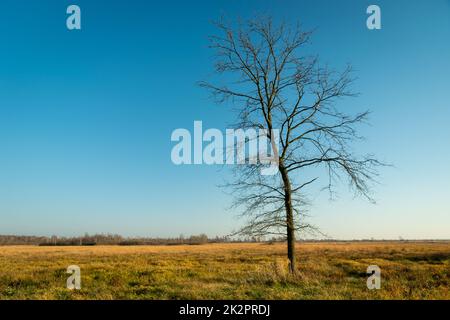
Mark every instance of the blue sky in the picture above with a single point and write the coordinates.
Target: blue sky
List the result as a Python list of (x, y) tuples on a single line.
[(86, 116)]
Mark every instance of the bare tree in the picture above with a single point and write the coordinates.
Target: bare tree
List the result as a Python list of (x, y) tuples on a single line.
[(274, 86)]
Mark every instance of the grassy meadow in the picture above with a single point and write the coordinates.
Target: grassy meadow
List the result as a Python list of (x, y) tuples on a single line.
[(409, 270)]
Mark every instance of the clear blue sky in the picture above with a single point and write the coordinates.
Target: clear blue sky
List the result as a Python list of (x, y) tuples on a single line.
[(86, 116)]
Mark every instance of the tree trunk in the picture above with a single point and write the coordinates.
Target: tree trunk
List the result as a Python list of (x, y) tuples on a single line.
[(290, 226)]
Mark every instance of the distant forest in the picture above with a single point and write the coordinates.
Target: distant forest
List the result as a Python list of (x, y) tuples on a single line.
[(114, 239)]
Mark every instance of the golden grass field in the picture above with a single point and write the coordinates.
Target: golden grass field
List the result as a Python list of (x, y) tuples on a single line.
[(409, 270)]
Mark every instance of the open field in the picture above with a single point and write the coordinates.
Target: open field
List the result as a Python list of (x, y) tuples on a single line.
[(419, 270)]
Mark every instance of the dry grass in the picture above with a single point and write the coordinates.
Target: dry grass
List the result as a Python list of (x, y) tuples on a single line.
[(227, 271)]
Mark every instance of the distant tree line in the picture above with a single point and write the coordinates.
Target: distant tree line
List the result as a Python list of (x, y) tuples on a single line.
[(111, 239), (115, 239)]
